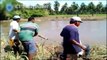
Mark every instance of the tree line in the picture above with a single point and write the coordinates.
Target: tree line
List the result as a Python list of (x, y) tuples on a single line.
[(46, 9)]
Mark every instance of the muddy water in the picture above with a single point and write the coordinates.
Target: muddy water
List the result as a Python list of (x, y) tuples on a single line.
[(91, 32)]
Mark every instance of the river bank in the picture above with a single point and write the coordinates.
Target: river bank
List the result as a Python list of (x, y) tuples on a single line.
[(84, 17), (96, 17)]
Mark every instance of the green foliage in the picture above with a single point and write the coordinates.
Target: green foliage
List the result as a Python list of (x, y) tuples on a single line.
[(64, 9), (19, 9), (48, 7), (74, 7), (99, 7), (4, 14), (56, 7), (45, 10), (91, 8), (83, 8), (40, 13)]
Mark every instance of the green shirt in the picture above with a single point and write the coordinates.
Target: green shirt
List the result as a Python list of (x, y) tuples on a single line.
[(28, 30)]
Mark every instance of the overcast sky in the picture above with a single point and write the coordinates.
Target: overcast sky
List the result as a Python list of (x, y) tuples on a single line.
[(69, 2)]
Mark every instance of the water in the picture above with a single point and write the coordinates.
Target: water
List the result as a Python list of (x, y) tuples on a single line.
[(91, 32)]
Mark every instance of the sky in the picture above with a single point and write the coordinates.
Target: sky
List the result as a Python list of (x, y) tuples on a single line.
[(62, 2)]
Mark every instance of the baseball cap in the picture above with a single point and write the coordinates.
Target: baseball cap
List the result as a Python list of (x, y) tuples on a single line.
[(16, 17), (75, 19)]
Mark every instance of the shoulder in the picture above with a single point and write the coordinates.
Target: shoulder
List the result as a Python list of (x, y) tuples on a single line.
[(21, 24), (36, 25), (13, 23), (72, 28)]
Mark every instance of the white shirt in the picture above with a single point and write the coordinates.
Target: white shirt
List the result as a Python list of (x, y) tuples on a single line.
[(13, 25)]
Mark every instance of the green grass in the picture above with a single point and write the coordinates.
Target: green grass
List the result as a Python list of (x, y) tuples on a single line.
[(75, 15), (86, 17), (100, 14)]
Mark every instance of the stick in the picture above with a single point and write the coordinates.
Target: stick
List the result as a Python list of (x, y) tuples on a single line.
[(42, 37)]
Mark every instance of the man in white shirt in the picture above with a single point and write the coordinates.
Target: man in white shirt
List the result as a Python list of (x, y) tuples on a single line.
[(13, 33)]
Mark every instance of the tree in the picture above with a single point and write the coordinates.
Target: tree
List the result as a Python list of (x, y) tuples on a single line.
[(83, 8), (70, 10), (56, 7), (91, 8), (64, 9), (99, 7), (75, 8), (104, 9), (4, 12), (48, 7), (38, 6)]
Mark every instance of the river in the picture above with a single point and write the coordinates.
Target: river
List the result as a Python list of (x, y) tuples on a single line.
[(91, 32)]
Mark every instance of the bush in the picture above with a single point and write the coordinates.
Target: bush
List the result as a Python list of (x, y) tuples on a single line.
[(40, 13)]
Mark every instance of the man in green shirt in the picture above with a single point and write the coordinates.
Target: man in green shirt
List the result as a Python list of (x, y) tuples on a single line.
[(28, 31)]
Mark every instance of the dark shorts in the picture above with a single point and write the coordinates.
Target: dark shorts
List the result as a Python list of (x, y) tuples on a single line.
[(69, 49), (29, 46)]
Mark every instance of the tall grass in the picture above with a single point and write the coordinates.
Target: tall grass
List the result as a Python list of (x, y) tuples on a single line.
[(51, 52)]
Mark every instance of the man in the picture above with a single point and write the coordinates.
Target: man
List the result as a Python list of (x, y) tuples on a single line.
[(28, 31), (71, 43), (13, 33)]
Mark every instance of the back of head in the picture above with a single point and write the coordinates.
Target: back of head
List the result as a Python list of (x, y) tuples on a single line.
[(16, 17), (75, 19), (31, 18)]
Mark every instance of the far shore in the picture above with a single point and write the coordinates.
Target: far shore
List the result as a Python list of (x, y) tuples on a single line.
[(95, 17)]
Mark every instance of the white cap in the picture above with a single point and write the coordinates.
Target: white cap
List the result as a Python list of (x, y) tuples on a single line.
[(75, 18), (16, 17)]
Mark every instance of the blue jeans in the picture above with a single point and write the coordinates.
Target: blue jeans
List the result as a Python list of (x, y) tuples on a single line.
[(29, 46)]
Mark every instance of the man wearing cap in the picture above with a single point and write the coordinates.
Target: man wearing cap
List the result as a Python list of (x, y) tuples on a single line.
[(71, 43), (13, 33)]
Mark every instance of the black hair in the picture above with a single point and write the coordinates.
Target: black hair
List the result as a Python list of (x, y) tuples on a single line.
[(15, 19), (72, 21), (30, 18)]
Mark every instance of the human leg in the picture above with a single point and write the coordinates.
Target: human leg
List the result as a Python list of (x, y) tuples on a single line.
[(30, 49), (16, 46), (74, 57)]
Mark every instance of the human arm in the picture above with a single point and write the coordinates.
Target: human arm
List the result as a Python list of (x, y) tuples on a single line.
[(78, 44), (74, 39), (15, 30), (16, 27), (36, 32)]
